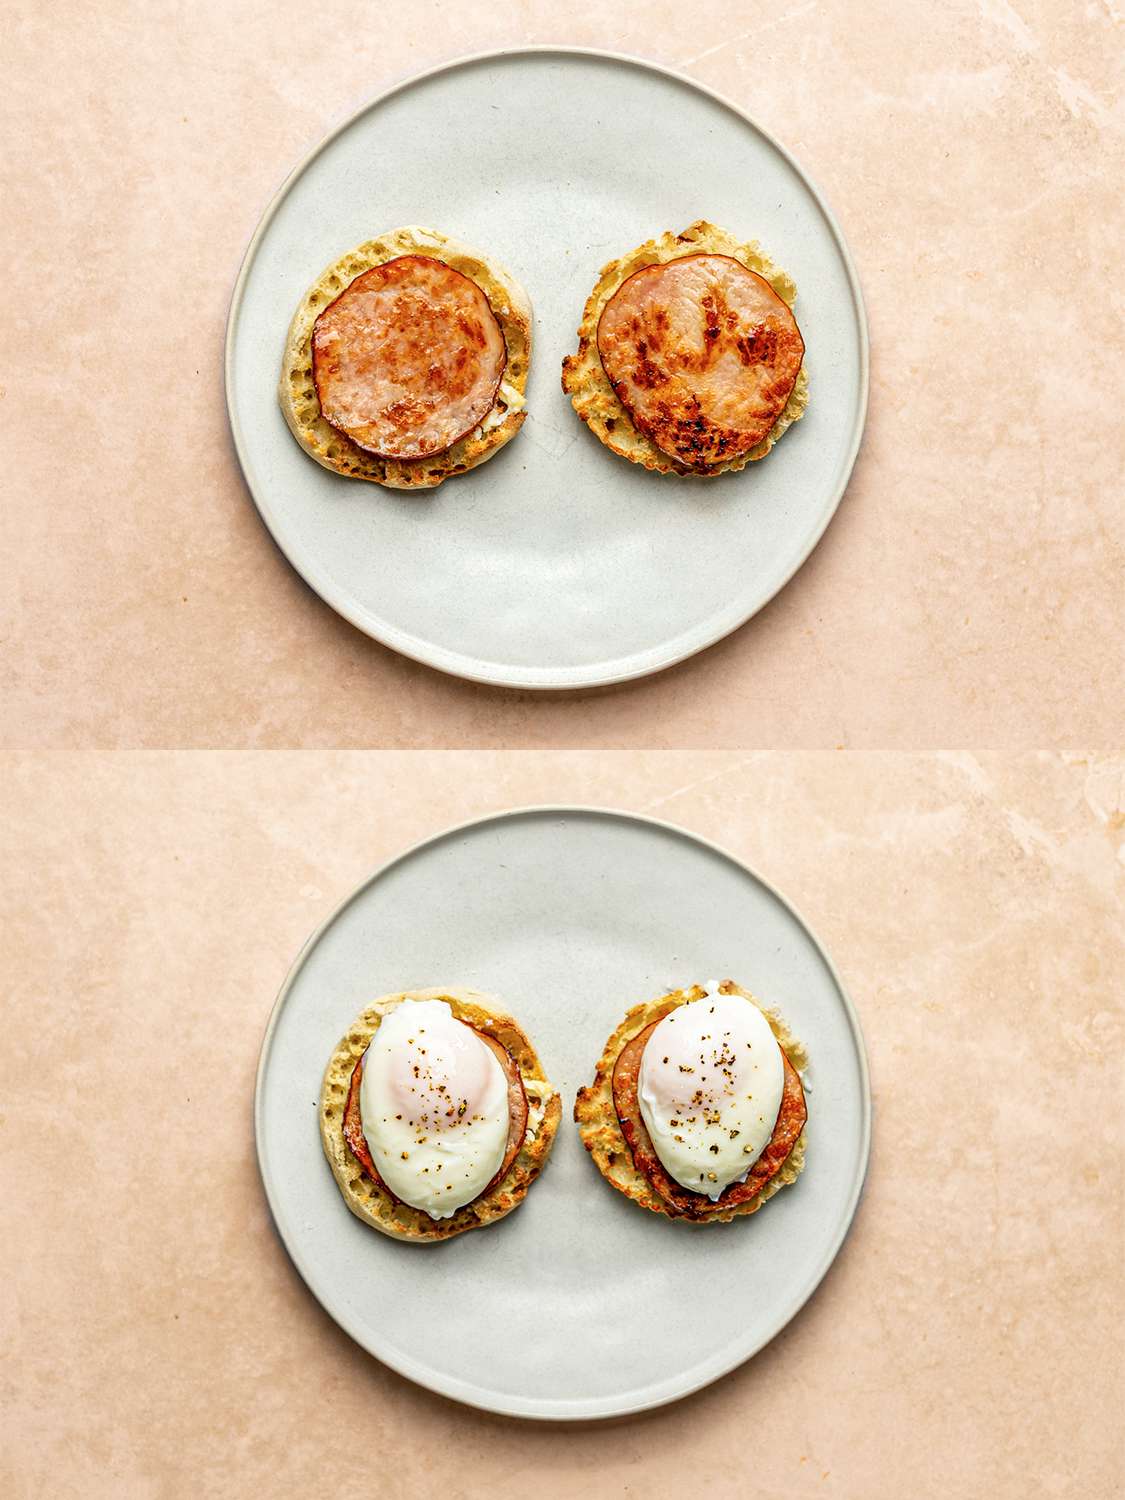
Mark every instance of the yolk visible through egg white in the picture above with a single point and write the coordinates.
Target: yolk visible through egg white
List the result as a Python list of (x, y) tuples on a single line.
[(710, 1088), (433, 1101)]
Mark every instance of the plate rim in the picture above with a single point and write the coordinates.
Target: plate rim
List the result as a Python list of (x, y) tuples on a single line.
[(474, 669), (581, 1408)]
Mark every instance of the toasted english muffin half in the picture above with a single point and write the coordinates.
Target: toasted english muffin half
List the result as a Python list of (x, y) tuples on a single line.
[(586, 382), (369, 1200), (600, 1128), (297, 389)]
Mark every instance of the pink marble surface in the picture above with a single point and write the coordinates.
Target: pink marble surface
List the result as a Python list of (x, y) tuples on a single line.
[(157, 1342), (969, 590)]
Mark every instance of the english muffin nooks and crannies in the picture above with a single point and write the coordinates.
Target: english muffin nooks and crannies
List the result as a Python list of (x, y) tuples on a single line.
[(435, 1115), (690, 360), (407, 361), (697, 1110)]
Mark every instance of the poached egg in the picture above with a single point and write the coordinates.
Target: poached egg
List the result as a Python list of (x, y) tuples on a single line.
[(710, 1089), (434, 1106)]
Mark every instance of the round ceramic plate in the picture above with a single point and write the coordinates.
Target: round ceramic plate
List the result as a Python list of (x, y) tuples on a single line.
[(579, 1304), (555, 564)]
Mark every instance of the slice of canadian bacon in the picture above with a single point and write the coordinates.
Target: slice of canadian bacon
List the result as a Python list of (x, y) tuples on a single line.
[(791, 1119), (517, 1116), (408, 359), (703, 354)]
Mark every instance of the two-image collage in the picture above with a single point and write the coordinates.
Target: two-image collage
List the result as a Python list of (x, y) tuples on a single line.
[(564, 797)]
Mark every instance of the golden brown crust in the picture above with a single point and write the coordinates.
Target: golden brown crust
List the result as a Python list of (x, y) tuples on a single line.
[(297, 389), (365, 1196), (586, 383), (602, 1135)]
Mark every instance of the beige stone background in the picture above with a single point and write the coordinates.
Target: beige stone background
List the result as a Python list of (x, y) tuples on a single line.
[(968, 592), (159, 1344), (154, 1339)]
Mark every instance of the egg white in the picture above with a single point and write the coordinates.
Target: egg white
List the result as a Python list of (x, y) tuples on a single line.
[(431, 1153), (710, 1089)]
